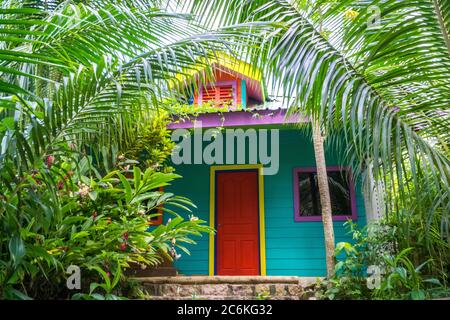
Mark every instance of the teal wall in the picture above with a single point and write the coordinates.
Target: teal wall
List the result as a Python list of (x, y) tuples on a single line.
[(292, 248)]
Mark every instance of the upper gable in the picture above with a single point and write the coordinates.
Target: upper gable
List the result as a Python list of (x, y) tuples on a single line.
[(230, 88), (235, 83)]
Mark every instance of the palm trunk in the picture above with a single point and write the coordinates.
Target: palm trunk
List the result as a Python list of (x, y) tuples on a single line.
[(324, 192), (444, 28)]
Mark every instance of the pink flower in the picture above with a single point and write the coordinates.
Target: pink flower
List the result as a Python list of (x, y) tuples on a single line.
[(49, 161), (125, 236), (108, 274), (123, 246), (60, 185)]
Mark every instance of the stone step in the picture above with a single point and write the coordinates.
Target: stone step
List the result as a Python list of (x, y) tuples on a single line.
[(152, 272), (224, 288), (180, 279)]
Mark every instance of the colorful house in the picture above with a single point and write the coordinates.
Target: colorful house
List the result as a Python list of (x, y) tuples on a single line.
[(264, 204)]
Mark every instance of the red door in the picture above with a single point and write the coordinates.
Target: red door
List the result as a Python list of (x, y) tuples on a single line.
[(237, 223)]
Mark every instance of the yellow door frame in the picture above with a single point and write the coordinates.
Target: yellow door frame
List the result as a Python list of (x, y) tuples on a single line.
[(212, 209)]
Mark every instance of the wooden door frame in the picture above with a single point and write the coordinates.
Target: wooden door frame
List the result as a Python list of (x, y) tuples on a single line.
[(212, 213)]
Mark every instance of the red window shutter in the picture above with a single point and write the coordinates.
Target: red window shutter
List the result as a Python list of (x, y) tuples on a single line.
[(209, 94), (224, 94), (219, 95)]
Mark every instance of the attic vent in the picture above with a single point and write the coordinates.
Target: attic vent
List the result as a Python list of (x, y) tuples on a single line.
[(220, 94)]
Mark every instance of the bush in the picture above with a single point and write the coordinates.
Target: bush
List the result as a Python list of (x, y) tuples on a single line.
[(374, 267), (153, 144), (99, 224)]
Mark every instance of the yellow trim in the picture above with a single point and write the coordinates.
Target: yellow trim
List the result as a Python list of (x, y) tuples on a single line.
[(239, 66), (212, 189), (224, 60), (212, 194)]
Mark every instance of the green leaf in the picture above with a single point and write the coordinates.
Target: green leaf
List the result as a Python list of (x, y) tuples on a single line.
[(433, 281), (127, 186), (418, 295), (137, 177), (98, 296), (93, 195), (17, 250), (78, 235), (12, 293), (117, 276), (93, 286), (107, 284), (69, 207)]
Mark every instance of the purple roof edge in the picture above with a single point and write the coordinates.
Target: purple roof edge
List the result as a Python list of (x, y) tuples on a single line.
[(237, 118)]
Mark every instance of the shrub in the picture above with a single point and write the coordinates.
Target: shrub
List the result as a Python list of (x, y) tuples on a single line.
[(374, 267), (99, 224)]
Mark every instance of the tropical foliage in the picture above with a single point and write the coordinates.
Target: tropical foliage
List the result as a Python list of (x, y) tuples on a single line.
[(372, 267), (384, 88), (377, 73), (83, 80), (101, 227), (153, 144)]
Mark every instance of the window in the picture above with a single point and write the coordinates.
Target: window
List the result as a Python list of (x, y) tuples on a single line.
[(307, 205), (220, 93)]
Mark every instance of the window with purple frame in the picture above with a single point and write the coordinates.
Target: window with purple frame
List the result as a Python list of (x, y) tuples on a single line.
[(307, 205)]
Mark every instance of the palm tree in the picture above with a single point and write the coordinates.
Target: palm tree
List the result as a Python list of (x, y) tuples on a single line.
[(325, 199), (324, 193), (78, 78), (75, 76), (375, 72)]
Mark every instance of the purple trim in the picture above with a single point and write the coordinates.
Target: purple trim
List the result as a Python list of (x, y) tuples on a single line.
[(220, 83), (297, 217), (238, 118)]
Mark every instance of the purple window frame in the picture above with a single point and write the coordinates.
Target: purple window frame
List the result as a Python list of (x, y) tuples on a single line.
[(298, 218), (233, 84)]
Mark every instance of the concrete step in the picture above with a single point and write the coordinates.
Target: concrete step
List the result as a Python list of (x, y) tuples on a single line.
[(225, 288), (152, 272)]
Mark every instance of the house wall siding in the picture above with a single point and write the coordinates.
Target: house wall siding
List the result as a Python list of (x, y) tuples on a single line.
[(292, 248)]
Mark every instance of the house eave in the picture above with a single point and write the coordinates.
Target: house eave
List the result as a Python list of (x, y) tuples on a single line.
[(237, 119)]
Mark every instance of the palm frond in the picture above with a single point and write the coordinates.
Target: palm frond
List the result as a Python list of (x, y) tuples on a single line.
[(356, 91), (89, 75)]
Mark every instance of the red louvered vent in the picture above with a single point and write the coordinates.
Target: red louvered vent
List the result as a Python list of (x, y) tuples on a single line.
[(209, 94), (220, 95)]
